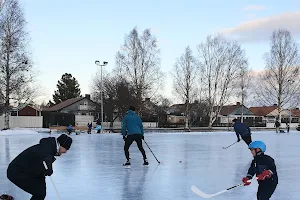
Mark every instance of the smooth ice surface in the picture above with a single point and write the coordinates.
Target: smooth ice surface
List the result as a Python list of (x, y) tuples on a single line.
[(92, 169)]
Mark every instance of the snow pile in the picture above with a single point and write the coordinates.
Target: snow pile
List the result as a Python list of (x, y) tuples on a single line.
[(18, 132), (40, 130)]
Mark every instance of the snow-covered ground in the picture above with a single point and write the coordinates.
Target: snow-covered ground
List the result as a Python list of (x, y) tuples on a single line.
[(13, 132), (24, 131), (92, 168)]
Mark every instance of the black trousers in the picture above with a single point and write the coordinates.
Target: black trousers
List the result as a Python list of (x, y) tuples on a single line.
[(138, 139), (247, 139), (265, 191), (33, 185)]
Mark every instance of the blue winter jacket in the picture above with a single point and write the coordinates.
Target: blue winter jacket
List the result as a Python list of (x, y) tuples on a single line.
[(132, 124), (70, 128), (241, 129), (98, 127)]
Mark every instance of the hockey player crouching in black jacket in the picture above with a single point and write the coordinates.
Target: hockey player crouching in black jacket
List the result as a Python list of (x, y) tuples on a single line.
[(27, 170)]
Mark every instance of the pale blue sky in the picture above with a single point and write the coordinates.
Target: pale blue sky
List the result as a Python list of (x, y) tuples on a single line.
[(69, 35)]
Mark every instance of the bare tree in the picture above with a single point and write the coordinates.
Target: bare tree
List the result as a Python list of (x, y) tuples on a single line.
[(15, 64), (243, 85), (184, 78), (162, 104), (280, 80), (219, 62), (1, 4), (199, 113), (138, 62), (118, 95)]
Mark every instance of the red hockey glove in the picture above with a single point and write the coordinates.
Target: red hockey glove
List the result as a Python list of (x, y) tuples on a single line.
[(246, 181), (265, 174)]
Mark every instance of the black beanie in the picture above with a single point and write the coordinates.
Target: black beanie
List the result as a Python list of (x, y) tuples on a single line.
[(234, 120), (65, 141), (132, 108)]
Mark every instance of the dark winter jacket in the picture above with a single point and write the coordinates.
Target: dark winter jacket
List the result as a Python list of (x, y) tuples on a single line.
[(30, 161), (132, 124), (277, 124), (260, 163), (241, 129)]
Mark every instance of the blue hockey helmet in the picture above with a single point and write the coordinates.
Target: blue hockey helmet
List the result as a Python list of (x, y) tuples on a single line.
[(258, 144)]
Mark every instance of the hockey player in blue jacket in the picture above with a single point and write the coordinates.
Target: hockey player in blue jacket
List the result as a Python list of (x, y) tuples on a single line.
[(132, 130), (265, 169), (242, 130)]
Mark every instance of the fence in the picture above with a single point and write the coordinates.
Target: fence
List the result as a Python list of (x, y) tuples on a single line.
[(82, 120), (57, 119), (23, 121), (118, 125), (283, 125)]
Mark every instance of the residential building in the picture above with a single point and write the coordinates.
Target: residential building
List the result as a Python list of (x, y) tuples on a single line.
[(230, 112), (83, 108)]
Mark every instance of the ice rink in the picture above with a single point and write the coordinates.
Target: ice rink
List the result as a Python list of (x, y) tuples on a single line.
[(92, 169)]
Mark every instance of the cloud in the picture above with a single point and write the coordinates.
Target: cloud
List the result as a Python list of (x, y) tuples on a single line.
[(261, 29), (254, 8), (251, 16)]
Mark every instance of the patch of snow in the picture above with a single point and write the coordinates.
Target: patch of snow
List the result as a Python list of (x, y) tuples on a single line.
[(18, 132), (40, 130)]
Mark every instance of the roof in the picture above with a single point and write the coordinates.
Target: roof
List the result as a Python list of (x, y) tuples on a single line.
[(176, 108), (23, 105), (227, 110), (262, 111), (296, 113), (63, 104)]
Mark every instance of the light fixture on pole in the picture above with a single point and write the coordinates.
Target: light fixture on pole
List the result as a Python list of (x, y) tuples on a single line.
[(97, 62)]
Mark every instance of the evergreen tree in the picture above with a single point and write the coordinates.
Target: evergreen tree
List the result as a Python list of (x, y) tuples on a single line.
[(67, 88)]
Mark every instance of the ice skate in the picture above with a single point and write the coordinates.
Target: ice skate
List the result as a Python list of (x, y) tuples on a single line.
[(145, 162), (127, 164)]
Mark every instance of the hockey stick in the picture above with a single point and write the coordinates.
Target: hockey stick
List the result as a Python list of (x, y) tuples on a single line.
[(45, 165), (229, 145), (204, 195), (151, 152)]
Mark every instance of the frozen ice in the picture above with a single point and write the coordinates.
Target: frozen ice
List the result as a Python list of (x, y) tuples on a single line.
[(92, 169)]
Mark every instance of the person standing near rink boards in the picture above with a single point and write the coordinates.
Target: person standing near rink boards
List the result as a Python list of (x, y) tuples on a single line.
[(265, 169), (132, 130), (242, 130), (90, 126), (277, 125)]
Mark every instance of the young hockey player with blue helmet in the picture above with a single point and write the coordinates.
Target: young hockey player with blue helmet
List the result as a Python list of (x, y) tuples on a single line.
[(265, 169)]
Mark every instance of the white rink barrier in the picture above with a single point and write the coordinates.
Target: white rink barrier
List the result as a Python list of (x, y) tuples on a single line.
[(23, 121)]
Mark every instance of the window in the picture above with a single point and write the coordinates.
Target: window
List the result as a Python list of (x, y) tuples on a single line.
[(85, 103)]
